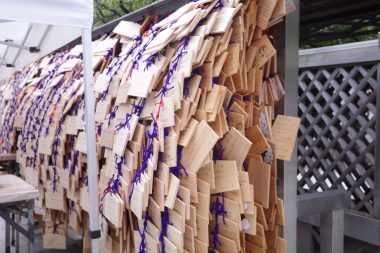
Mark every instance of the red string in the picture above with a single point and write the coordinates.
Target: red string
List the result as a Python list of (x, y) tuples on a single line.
[(160, 105), (108, 189), (52, 113)]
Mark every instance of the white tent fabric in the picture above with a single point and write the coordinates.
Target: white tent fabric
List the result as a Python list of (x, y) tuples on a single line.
[(72, 13), (76, 13), (45, 37)]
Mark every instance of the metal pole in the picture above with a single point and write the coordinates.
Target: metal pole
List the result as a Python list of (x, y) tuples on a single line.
[(92, 162), (22, 43), (12, 44)]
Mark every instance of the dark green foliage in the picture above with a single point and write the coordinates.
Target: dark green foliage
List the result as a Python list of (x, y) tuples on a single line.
[(107, 10), (354, 30)]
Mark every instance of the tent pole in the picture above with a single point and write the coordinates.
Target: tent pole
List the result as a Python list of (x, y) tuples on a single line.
[(92, 164)]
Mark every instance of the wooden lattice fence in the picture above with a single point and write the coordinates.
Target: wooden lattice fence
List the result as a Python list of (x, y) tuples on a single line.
[(337, 137)]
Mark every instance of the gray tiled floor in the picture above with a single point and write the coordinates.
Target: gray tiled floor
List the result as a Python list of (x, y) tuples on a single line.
[(72, 246)]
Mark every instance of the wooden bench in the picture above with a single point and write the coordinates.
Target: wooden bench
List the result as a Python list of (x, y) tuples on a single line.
[(16, 196), (328, 208), (7, 157)]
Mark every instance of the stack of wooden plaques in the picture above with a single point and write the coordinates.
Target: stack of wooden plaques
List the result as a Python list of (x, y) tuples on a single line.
[(185, 143)]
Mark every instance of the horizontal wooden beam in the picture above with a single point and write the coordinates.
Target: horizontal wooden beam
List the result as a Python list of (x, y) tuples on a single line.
[(366, 51), (7, 157), (357, 225), (320, 202)]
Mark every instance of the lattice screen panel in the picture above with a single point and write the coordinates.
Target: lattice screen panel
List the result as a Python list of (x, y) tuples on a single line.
[(336, 144)]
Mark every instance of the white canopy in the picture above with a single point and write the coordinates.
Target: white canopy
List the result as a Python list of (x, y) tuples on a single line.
[(33, 29), (77, 13), (72, 13)]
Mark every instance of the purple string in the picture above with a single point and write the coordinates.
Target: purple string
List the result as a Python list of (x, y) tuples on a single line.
[(72, 206), (218, 209), (112, 115), (152, 35), (75, 162), (109, 53), (137, 109), (219, 154), (117, 65), (67, 160), (7, 128), (176, 171), (151, 60), (219, 5), (28, 122), (146, 154), (186, 90), (138, 41), (55, 154), (56, 144), (84, 179), (181, 50), (165, 222), (142, 233), (99, 129), (45, 107), (51, 119), (228, 109), (30, 119), (198, 71), (113, 184)]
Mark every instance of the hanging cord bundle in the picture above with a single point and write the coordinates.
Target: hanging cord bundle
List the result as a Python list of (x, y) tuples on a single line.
[(112, 116), (181, 51), (151, 60), (148, 150), (31, 118), (137, 109), (218, 210), (46, 107), (176, 171), (60, 95), (150, 37), (113, 187), (55, 227), (113, 183), (218, 207), (147, 153), (56, 143), (114, 69), (165, 223), (7, 128), (219, 5), (142, 233)]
